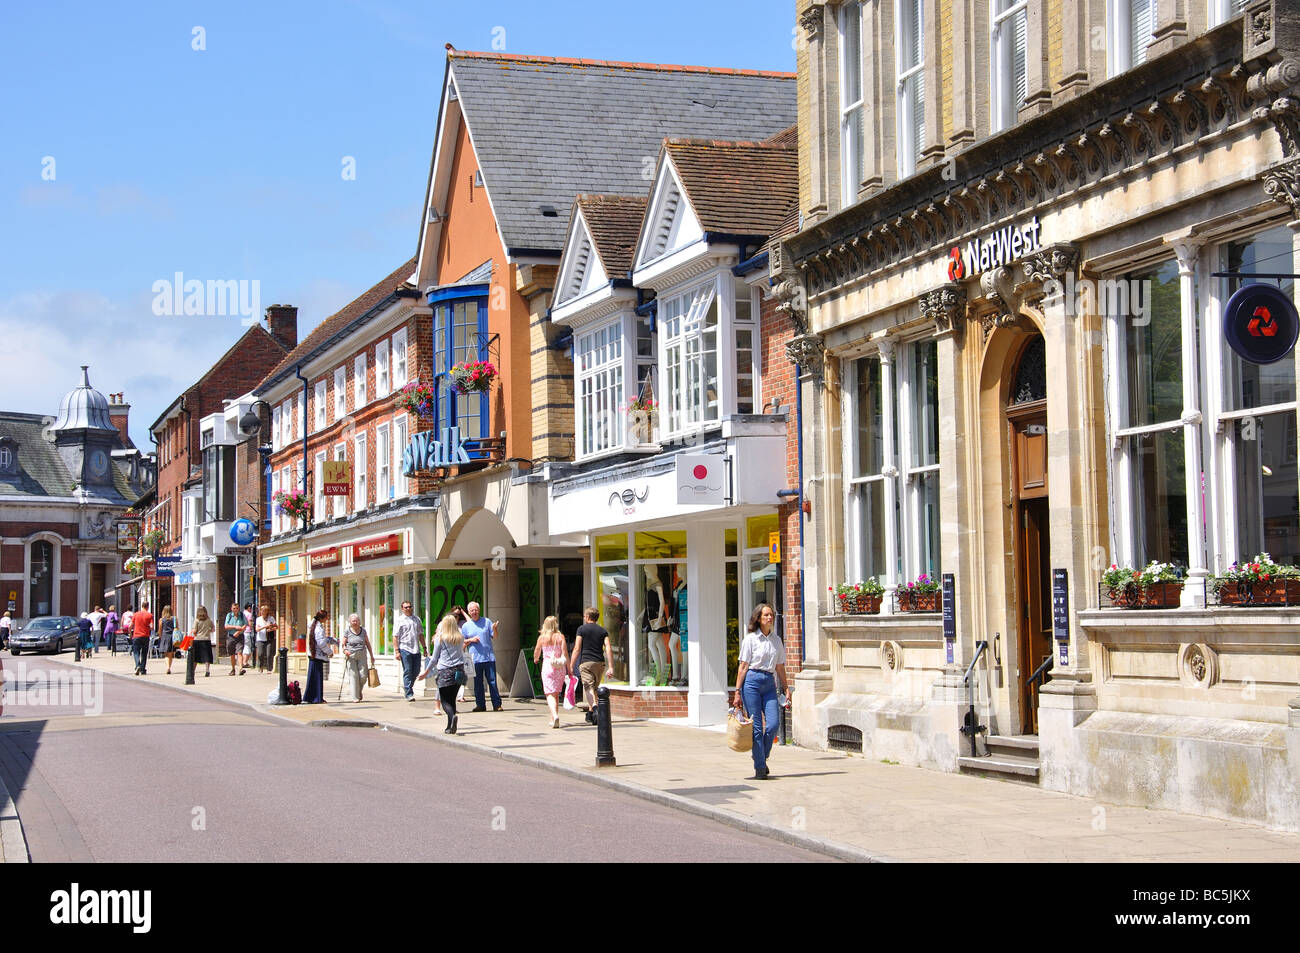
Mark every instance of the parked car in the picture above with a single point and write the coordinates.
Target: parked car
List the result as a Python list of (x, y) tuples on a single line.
[(50, 633)]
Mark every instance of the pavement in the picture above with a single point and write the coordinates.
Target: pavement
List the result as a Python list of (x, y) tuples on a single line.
[(841, 805)]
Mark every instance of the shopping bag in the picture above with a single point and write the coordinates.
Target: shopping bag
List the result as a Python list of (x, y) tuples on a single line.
[(569, 701), (740, 731), (186, 643), (372, 678)]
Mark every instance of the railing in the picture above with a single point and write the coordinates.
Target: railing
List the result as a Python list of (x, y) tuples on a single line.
[(1035, 683), (971, 727), (1160, 595)]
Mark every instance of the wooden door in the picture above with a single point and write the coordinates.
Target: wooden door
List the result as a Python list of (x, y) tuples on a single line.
[(1028, 425)]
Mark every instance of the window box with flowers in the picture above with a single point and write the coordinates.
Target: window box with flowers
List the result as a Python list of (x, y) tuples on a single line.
[(1158, 586), (294, 504), (921, 595), (859, 598), (1258, 582)]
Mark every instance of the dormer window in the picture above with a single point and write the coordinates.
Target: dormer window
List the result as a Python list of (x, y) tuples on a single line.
[(8, 457)]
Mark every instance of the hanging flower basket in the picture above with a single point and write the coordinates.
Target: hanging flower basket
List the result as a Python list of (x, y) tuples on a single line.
[(473, 376), (134, 565), (152, 539), (417, 397), (294, 504)]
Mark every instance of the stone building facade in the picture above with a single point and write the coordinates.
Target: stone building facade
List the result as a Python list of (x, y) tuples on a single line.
[(1012, 276)]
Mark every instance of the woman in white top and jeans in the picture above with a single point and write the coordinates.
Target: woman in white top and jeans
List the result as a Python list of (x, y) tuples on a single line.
[(762, 662)]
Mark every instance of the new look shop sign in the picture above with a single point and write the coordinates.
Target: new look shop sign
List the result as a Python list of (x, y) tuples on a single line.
[(994, 250)]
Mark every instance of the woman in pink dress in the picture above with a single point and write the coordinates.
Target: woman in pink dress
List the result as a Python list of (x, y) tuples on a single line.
[(551, 651)]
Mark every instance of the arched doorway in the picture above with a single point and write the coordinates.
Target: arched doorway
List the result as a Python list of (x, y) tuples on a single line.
[(1026, 422)]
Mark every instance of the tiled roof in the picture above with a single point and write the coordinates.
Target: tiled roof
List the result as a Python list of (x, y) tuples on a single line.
[(335, 324), (738, 188), (548, 128), (614, 222)]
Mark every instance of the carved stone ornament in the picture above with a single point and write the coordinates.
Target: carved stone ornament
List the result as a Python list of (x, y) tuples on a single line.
[(813, 20), (792, 301), (1283, 183), (998, 285), (891, 657), (1261, 26), (946, 307), (1051, 263), (1274, 89), (1198, 665), (807, 351)]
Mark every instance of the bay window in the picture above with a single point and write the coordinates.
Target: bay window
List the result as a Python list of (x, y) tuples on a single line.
[(460, 334), (690, 344), (891, 464), (598, 361)]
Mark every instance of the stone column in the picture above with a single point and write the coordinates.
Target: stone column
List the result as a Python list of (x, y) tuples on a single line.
[(1038, 89), (706, 594), (1187, 251), (932, 147), (1075, 43), (963, 75), (503, 609), (813, 23)]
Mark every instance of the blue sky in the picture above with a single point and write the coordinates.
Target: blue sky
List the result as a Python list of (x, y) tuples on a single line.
[(128, 155)]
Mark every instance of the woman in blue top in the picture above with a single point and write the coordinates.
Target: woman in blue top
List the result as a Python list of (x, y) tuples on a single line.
[(448, 664)]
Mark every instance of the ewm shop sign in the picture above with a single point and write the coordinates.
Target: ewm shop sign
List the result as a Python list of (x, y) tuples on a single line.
[(1260, 323), (1000, 248)]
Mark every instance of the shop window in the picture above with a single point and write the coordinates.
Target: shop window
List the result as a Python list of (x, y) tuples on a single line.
[(729, 542), (610, 548), (892, 464), (1009, 82), (732, 584), (911, 84), (661, 544), (851, 102), (758, 528), (612, 589)]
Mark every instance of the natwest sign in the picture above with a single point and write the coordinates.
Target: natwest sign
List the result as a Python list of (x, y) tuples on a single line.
[(377, 548), (993, 251), (324, 558)]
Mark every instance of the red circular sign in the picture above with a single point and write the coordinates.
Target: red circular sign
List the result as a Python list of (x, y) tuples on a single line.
[(700, 471)]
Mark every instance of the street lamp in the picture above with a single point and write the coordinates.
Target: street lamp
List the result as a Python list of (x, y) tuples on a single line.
[(250, 425)]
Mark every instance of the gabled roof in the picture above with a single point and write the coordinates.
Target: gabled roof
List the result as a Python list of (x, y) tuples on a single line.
[(547, 128), (613, 222), (738, 188), (338, 324)]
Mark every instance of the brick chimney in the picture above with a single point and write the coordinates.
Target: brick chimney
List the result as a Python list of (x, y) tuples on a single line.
[(282, 322), (118, 412)]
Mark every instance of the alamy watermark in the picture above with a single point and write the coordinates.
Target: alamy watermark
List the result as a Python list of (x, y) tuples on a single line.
[(1121, 297), (211, 298), (49, 688)]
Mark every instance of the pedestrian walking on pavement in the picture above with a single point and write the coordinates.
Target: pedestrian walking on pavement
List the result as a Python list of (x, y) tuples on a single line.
[(234, 626), (762, 663), (266, 639), (204, 634), (6, 628), (111, 622), (409, 647), (321, 645), (478, 635), (97, 618), (551, 651), (141, 628), (250, 645), (461, 619), (447, 662), (84, 627), (357, 656), (592, 658), (167, 637)]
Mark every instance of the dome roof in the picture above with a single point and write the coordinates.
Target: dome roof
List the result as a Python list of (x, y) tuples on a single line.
[(84, 408)]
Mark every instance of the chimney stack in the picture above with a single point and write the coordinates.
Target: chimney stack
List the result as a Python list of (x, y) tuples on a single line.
[(282, 322), (118, 414)]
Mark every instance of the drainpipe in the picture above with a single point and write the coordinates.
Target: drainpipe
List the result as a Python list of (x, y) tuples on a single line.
[(297, 372)]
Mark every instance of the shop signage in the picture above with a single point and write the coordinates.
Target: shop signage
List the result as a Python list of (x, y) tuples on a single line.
[(1260, 323), (336, 478), (1061, 604), (242, 532), (1004, 246), (377, 548), (128, 534), (166, 565), (322, 558), (774, 547), (628, 499), (949, 608), (700, 478), (425, 453), (185, 578), (150, 569), (282, 566)]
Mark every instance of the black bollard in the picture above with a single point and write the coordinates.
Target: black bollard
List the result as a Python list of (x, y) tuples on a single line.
[(77, 656), (284, 676), (189, 665), (604, 730)]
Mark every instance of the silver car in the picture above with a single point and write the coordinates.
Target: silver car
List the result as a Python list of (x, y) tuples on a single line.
[(51, 633)]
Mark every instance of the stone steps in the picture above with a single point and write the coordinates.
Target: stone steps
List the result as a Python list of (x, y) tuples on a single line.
[(1010, 758)]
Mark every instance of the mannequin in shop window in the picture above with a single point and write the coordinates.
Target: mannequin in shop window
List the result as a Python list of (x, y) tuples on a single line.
[(655, 623), (677, 610)]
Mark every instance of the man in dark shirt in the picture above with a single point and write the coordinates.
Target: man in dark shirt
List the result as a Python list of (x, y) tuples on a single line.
[(591, 658)]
